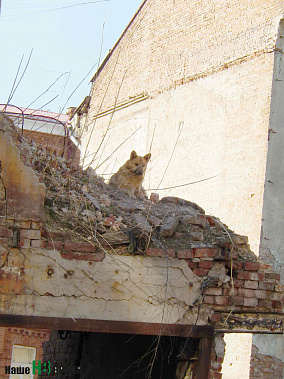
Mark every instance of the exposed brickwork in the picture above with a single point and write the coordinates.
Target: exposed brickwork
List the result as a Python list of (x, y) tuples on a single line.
[(23, 337), (189, 53), (265, 366), (249, 289), (61, 146), (217, 357)]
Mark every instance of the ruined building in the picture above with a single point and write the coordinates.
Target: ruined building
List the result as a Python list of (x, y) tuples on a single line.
[(200, 84), (152, 284)]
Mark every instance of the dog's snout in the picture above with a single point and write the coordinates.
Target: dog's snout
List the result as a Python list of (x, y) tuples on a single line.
[(139, 171)]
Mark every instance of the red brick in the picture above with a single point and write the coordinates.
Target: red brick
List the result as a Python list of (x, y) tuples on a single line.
[(238, 283), (200, 271), (25, 242), (252, 284), (69, 255), (236, 265), (36, 243), (5, 232), (192, 264), (216, 366), (221, 300), (184, 254), (214, 291), (205, 252), (77, 246), (276, 304), (264, 266), (274, 296), (265, 304), (247, 292), (251, 266), (25, 225), (6, 241), (30, 234), (272, 276), (236, 300), (94, 257), (208, 300), (155, 252), (56, 236), (250, 275), (250, 302), (57, 245), (216, 317), (217, 375), (205, 264), (261, 294), (230, 292), (266, 286)]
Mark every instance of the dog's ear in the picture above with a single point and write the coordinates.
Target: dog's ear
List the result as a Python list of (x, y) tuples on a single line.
[(133, 155), (147, 157)]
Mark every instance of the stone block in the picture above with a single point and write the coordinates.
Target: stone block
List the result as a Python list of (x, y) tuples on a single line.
[(142, 222), (169, 226)]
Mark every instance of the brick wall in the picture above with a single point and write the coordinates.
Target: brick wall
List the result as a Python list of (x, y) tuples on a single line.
[(22, 337), (265, 366), (171, 42), (58, 145), (217, 357)]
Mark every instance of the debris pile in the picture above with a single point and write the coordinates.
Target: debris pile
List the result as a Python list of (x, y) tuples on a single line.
[(81, 205)]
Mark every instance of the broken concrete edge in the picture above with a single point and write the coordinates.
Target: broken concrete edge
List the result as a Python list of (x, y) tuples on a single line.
[(24, 194), (254, 285)]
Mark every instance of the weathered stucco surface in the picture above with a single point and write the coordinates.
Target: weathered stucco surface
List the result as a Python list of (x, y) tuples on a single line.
[(118, 288)]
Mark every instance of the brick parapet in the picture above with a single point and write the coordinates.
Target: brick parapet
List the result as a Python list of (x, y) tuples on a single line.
[(253, 286)]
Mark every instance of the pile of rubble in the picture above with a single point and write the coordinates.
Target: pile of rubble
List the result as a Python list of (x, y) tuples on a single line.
[(80, 204)]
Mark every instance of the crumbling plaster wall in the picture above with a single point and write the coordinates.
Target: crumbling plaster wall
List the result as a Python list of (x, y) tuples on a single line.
[(128, 288), (22, 195)]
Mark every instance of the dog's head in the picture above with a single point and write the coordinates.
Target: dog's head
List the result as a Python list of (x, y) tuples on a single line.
[(138, 164)]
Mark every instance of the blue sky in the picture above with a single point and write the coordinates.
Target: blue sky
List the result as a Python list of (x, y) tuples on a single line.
[(66, 45)]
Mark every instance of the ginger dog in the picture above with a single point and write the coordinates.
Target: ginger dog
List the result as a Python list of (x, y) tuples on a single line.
[(130, 176)]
